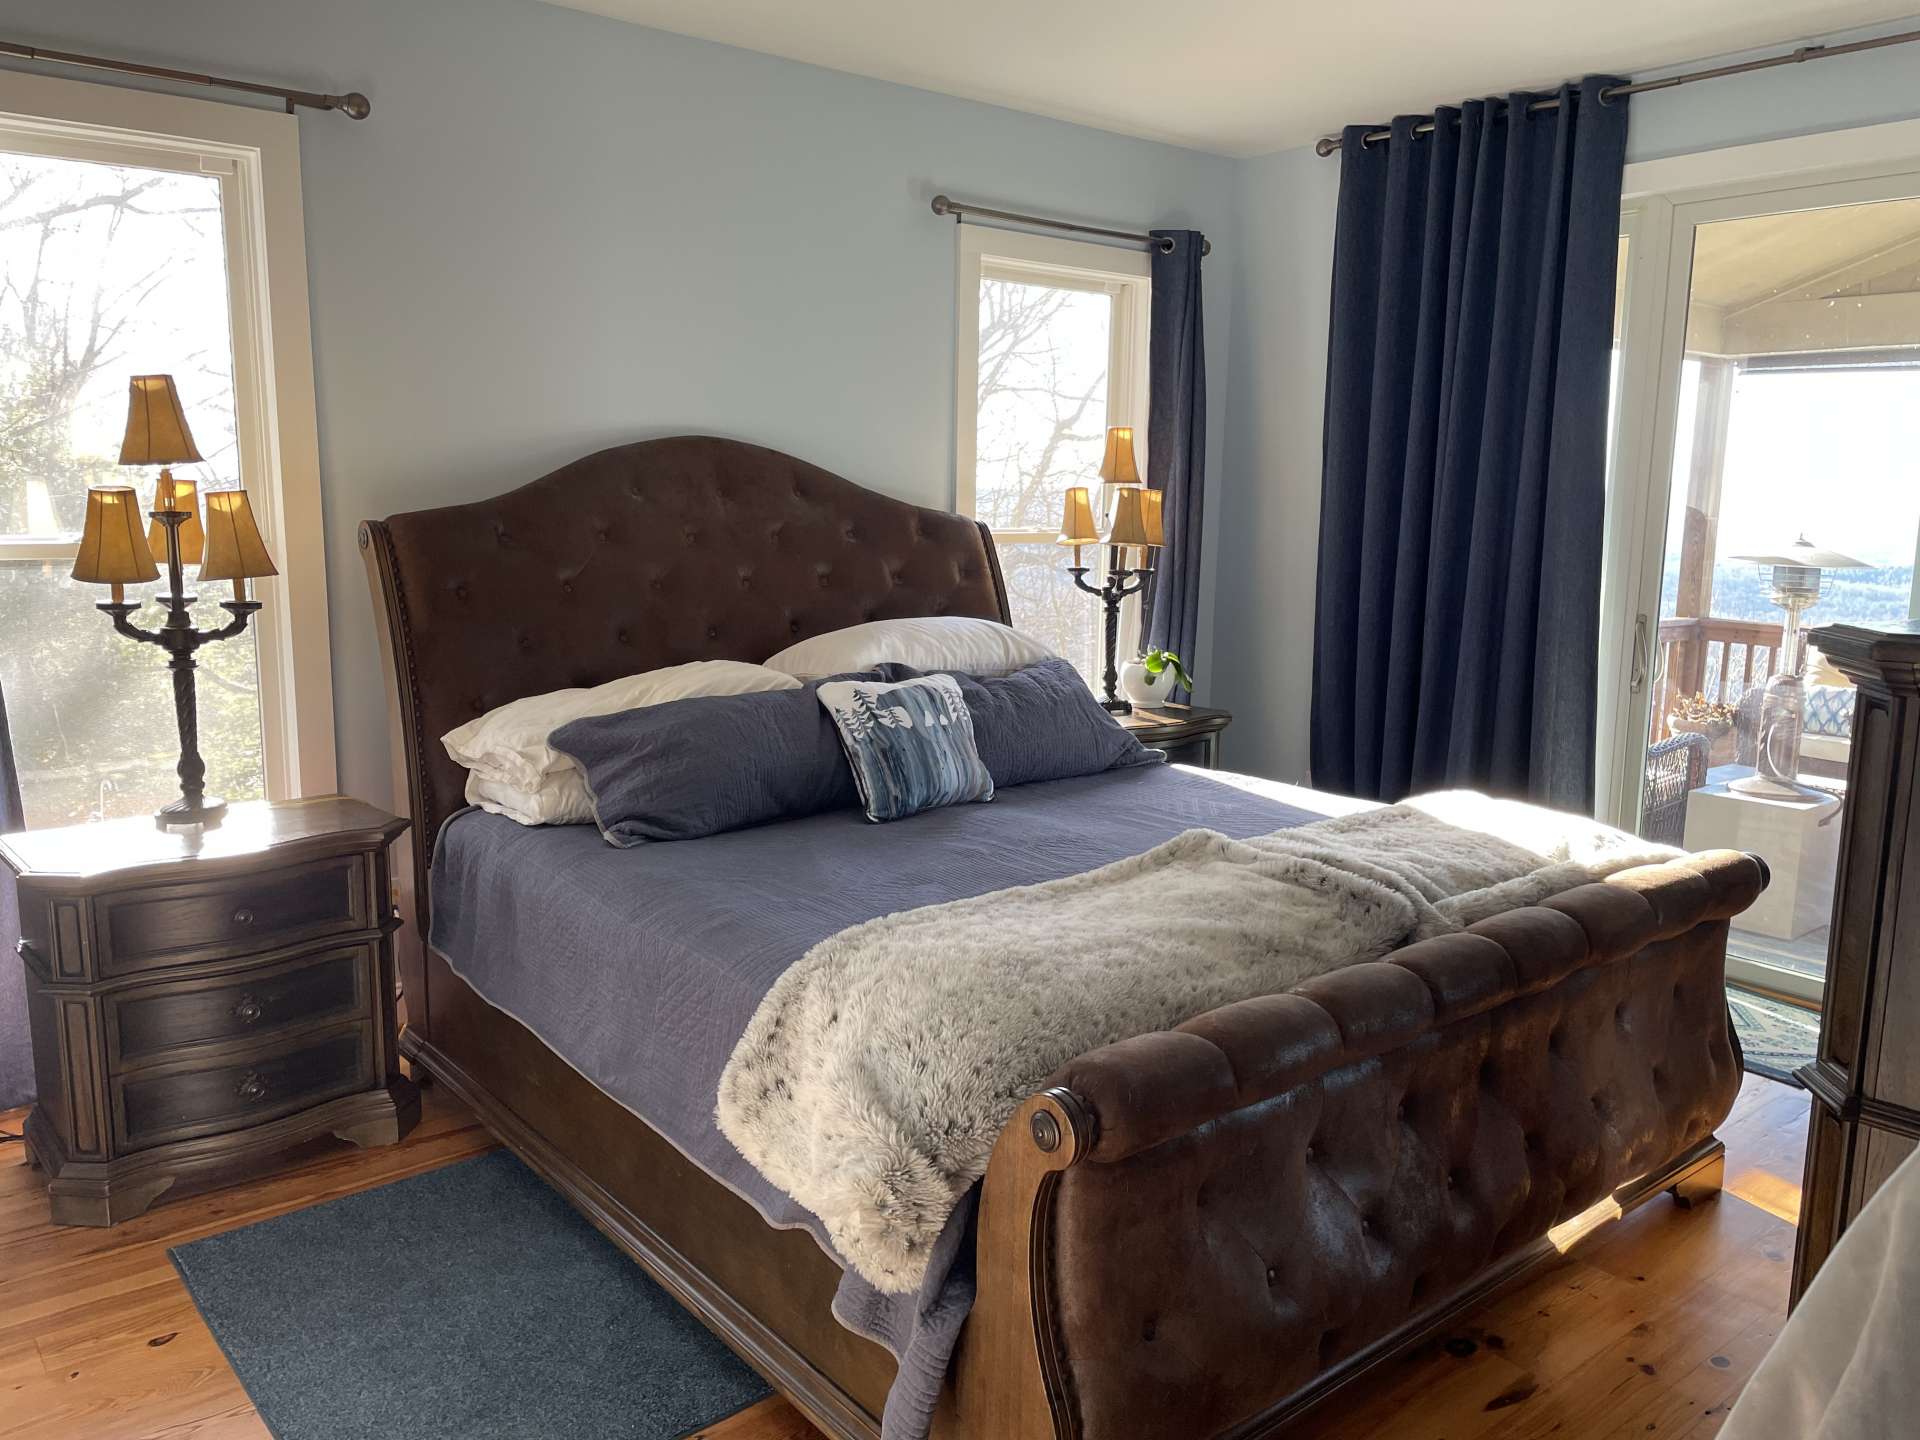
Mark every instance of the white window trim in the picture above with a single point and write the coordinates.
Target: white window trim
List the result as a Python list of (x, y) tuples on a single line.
[(257, 155)]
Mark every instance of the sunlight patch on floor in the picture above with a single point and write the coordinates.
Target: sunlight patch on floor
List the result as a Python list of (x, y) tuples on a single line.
[(1770, 1193)]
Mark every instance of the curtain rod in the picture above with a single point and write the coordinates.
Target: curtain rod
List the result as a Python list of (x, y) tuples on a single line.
[(353, 104), (1328, 144), (961, 209)]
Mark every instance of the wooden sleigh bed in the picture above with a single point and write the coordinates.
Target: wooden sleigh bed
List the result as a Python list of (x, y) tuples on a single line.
[(1200, 1232)]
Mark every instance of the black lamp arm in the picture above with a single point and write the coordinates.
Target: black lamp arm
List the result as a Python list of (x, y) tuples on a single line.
[(120, 611), (241, 610), (1118, 585)]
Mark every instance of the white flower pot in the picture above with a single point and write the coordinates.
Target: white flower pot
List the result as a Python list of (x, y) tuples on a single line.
[(1144, 689)]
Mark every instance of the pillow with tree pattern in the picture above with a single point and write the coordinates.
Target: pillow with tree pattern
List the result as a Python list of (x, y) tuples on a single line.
[(910, 744)]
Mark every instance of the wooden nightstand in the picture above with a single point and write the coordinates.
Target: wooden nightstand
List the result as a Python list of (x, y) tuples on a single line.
[(1190, 734), (199, 1004)]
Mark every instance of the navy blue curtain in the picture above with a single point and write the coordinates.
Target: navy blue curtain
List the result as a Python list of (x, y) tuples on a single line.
[(16, 1059), (1176, 442), (1464, 478)]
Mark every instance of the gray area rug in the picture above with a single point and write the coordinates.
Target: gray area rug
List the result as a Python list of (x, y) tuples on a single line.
[(1776, 1037), (469, 1303)]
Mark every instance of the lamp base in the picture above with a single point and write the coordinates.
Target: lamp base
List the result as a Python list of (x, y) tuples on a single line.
[(1117, 707), (184, 814)]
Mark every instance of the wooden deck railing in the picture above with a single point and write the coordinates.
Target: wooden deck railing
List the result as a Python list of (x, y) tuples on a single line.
[(1720, 659)]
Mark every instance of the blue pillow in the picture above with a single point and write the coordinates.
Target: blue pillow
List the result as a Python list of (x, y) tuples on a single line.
[(909, 744), (1041, 723), (697, 767)]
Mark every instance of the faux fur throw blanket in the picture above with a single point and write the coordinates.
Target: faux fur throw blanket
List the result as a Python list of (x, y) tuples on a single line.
[(876, 1075)]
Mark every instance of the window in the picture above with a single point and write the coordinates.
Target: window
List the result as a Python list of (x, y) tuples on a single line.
[(122, 253), (1053, 350)]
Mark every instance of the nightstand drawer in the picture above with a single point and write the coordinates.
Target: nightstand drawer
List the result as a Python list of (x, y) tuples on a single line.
[(154, 1107), (155, 1019), (174, 924)]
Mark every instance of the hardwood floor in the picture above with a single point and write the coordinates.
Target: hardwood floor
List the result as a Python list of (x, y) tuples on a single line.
[(1646, 1327)]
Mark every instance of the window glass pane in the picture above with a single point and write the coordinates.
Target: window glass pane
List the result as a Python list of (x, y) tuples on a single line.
[(1047, 605), (108, 271), (1827, 453), (92, 712), (1041, 429), (1043, 400)]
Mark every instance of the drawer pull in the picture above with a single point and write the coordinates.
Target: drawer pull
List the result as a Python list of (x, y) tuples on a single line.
[(248, 1010), (243, 916), (251, 1088)]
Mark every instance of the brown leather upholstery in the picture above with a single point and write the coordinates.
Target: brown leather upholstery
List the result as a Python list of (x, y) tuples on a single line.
[(1338, 1158), (657, 553)]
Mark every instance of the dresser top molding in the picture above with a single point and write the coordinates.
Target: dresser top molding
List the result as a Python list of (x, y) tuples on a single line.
[(256, 833), (1887, 653)]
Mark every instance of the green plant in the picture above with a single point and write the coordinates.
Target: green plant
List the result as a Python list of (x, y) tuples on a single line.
[(1159, 661)]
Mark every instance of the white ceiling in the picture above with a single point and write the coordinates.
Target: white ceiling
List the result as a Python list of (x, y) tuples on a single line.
[(1241, 77)]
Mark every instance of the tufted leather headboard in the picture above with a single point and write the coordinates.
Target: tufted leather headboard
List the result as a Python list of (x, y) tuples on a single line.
[(652, 554)]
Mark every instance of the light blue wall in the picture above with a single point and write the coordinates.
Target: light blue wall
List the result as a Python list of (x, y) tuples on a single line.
[(1282, 244), (559, 232)]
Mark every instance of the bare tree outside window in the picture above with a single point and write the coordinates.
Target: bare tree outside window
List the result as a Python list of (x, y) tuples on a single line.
[(106, 271), (1040, 429)]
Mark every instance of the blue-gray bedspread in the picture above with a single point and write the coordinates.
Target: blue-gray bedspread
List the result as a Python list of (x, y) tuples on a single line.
[(641, 967)]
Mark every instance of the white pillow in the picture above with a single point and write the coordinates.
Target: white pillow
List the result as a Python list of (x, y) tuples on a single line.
[(934, 642), (508, 746), (562, 799)]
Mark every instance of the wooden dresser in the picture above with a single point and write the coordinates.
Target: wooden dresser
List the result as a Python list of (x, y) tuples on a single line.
[(200, 1003), (1865, 1078)]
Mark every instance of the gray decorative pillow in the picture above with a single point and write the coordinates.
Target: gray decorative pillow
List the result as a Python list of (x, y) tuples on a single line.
[(698, 767), (909, 745), (1041, 723)]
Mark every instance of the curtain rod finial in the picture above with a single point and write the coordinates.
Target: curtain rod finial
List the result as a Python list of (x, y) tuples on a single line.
[(353, 105), (1325, 146), (942, 205)]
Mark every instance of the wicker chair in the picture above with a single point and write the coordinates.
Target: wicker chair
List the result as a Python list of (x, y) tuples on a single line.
[(1674, 767)]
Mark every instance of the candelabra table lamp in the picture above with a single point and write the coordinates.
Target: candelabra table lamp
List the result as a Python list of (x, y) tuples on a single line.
[(113, 551), (1796, 589), (1133, 524)]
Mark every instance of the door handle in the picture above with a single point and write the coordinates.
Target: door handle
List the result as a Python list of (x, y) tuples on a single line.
[(1637, 680)]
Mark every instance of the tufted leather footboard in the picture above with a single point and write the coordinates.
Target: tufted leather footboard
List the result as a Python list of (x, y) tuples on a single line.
[(1223, 1219)]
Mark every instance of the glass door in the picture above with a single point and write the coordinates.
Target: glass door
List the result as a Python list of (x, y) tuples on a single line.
[(1782, 493)]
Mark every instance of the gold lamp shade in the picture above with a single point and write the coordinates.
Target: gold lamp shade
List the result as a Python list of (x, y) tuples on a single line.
[(1130, 519), (1117, 467), (1076, 522), (1150, 514), (112, 549), (174, 494), (157, 432), (234, 549)]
